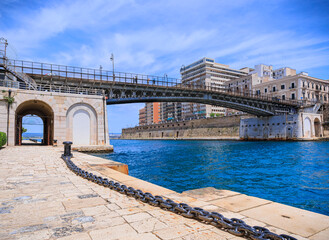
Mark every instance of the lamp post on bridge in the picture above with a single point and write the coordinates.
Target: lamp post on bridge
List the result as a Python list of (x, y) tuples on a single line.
[(5, 42), (100, 70), (165, 76), (112, 59)]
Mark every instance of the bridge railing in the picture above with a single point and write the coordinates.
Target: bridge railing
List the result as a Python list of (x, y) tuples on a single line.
[(51, 88), (46, 70), (244, 93), (61, 72)]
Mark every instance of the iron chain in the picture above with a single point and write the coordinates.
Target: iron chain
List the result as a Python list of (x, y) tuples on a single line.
[(234, 226)]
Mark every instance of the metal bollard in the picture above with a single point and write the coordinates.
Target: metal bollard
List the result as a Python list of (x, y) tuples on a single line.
[(67, 149)]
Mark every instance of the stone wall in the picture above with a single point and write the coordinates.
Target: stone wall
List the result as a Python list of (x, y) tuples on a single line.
[(63, 107), (210, 128), (326, 120), (301, 126)]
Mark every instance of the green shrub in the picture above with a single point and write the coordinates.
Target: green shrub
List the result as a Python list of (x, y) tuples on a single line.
[(3, 139)]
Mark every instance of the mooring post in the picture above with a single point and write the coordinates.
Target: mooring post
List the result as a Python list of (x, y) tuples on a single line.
[(67, 149)]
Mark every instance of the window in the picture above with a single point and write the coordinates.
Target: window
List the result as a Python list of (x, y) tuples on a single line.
[(292, 96), (292, 85), (282, 86), (274, 89), (265, 90), (316, 87), (257, 92), (283, 97), (303, 84)]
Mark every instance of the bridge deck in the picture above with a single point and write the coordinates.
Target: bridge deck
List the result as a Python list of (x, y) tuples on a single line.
[(130, 87)]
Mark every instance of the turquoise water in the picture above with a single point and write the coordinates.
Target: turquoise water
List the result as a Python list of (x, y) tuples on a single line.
[(38, 136), (293, 173)]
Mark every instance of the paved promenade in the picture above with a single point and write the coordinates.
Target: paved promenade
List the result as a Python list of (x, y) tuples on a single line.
[(41, 199)]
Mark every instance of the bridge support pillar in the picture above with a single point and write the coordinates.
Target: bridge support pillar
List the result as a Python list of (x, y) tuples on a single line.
[(300, 126)]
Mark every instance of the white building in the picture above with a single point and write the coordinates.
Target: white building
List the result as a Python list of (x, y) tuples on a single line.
[(206, 72), (281, 83)]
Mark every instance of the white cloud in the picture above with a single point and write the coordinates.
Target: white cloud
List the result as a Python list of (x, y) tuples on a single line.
[(157, 37)]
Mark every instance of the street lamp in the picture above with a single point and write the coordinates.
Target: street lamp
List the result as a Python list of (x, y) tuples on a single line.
[(100, 70), (5, 42), (112, 59), (165, 76)]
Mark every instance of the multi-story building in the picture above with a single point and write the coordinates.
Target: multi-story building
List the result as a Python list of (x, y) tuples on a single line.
[(152, 113), (299, 87), (171, 111), (142, 116), (282, 84), (206, 72), (260, 74)]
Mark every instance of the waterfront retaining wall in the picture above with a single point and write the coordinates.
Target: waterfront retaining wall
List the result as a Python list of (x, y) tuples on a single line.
[(326, 120), (209, 128), (301, 126)]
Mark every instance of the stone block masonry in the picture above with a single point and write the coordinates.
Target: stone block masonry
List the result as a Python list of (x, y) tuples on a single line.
[(38, 186), (209, 128), (66, 117), (301, 126)]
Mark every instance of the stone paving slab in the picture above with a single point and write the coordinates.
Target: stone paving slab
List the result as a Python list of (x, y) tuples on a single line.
[(301, 222), (41, 199), (239, 202), (323, 235)]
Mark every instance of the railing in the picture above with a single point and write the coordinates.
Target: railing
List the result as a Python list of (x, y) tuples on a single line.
[(61, 72), (69, 72), (51, 88), (27, 79)]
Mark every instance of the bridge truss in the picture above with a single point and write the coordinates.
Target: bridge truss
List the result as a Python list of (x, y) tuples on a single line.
[(119, 88)]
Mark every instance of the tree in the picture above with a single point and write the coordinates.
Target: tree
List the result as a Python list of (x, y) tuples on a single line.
[(3, 139), (24, 130)]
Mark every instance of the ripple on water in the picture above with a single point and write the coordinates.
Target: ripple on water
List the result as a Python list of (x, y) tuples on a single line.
[(293, 173)]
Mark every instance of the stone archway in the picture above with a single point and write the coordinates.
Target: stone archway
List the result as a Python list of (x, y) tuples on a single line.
[(40, 109), (81, 124), (81, 127), (307, 128), (317, 127)]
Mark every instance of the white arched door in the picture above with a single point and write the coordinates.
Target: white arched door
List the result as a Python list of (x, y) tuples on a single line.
[(307, 128), (81, 128)]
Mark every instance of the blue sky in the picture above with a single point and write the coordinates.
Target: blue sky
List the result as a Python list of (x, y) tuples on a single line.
[(158, 37)]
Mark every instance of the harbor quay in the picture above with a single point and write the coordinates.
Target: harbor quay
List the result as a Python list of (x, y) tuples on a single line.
[(42, 199)]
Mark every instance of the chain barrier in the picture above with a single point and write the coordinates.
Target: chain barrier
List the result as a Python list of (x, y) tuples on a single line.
[(234, 226)]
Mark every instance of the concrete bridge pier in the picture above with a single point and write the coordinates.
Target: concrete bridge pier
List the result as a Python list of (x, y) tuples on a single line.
[(79, 118), (300, 126)]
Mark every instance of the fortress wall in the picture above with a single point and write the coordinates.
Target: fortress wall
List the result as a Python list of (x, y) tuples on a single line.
[(210, 128)]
